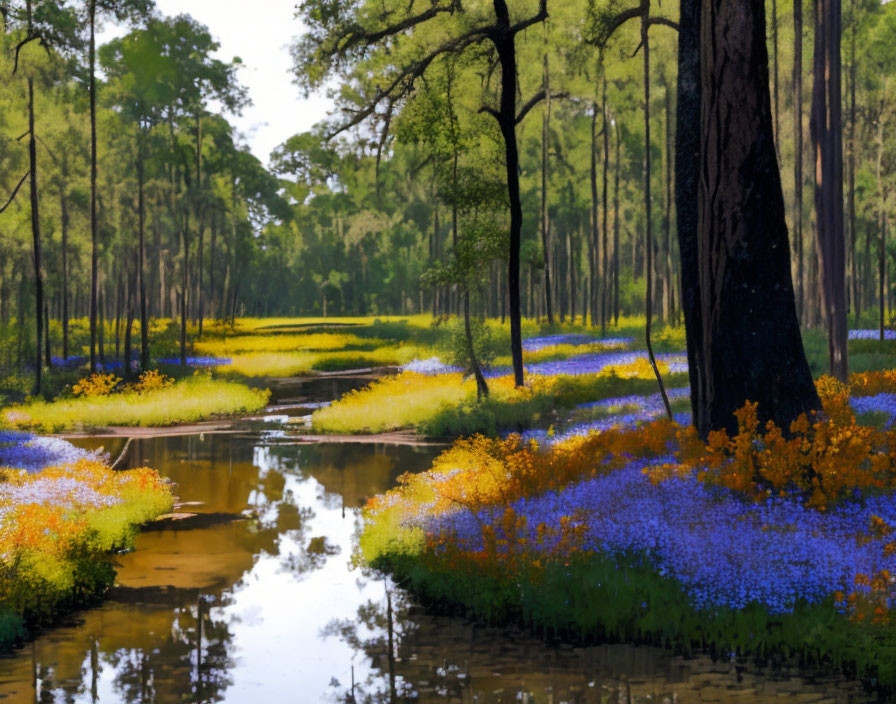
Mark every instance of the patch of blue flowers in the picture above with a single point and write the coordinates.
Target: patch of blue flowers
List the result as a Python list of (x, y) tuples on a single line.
[(632, 410), (881, 403), (594, 363), (871, 334), (726, 552), (206, 362), (534, 344), (34, 453)]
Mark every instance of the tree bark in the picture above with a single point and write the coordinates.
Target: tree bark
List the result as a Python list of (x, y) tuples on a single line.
[(505, 43), (750, 345), (545, 155), (35, 233), (648, 229), (605, 280), (598, 288), (141, 254), (827, 143), (798, 154), (94, 257)]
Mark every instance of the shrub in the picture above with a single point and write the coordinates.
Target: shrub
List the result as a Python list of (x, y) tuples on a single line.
[(96, 385)]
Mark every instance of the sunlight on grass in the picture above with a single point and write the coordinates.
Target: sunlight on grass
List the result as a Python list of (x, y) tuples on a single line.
[(392, 403), (193, 399), (287, 364), (316, 342)]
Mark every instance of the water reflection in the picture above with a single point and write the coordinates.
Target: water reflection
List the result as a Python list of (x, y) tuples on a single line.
[(250, 597)]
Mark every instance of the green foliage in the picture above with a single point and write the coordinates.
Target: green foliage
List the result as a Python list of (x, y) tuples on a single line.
[(457, 348)]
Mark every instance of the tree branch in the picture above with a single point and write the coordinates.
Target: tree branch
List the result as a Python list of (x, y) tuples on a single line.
[(404, 81), (15, 192), (360, 37), (541, 16), (663, 21), (21, 45), (535, 100), (485, 109)]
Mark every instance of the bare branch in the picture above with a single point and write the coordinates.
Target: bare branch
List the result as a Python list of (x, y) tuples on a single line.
[(15, 192)]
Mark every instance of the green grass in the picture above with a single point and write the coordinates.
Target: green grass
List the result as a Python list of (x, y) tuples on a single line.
[(446, 406), (193, 399)]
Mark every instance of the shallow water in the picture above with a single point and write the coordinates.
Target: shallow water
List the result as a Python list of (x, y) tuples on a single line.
[(254, 599)]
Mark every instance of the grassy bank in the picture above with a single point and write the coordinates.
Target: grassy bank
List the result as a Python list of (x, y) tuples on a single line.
[(58, 531), (757, 546), (190, 400), (445, 405)]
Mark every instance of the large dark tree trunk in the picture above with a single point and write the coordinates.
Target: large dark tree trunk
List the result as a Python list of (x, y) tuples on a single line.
[(687, 171), (827, 143), (750, 344), (505, 43)]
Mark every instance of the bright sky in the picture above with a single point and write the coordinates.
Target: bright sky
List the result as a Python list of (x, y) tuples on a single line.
[(259, 32)]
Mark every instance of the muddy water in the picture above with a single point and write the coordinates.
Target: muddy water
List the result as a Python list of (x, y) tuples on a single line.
[(253, 599)]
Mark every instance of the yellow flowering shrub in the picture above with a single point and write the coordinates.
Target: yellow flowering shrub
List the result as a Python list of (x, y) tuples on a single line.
[(96, 385)]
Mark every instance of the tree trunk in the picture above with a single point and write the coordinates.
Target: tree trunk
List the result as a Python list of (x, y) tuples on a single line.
[(605, 277), (616, 223), (505, 44), (855, 297), (827, 143), (481, 385), (751, 349), (596, 257), (35, 233), (545, 151), (648, 230), (141, 256), (63, 207), (94, 257), (798, 154)]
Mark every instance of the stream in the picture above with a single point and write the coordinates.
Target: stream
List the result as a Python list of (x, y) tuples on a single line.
[(251, 597)]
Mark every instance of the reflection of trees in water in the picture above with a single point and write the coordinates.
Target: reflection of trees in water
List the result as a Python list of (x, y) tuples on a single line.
[(376, 633), (192, 665)]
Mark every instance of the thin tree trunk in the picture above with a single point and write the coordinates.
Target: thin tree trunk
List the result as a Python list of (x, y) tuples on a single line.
[(505, 44), (798, 154), (545, 152), (141, 256), (35, 233), (94, 257), (616, 223), (481, 385), (648, 231), (595, 255), (827, 142), (605, 278), (63, 207), (851, 168)]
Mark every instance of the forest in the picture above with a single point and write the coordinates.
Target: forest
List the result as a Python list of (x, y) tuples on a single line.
[(568, 333)]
